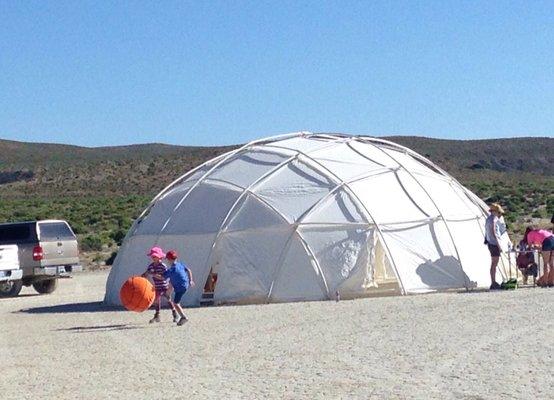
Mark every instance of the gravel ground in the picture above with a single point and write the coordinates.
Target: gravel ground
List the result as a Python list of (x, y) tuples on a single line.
[(477, 345)]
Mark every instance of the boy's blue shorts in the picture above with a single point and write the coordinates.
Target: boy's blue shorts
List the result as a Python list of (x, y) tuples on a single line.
[(178, 295)]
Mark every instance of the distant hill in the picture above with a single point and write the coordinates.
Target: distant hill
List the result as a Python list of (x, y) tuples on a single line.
[(54, 169), (532, 155)]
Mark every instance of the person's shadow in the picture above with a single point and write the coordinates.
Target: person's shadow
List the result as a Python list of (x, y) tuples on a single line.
[(88, 307), (444, 273)]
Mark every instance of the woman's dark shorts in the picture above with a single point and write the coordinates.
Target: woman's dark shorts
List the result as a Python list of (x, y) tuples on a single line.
[(178, 296), (548, 244), (494, 250)]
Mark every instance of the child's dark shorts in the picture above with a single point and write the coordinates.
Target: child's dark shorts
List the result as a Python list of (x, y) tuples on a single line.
[(178, 295), (494, 250), (548, 244)]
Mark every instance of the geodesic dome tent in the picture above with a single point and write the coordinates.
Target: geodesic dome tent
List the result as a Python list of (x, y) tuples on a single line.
[(309, 216)]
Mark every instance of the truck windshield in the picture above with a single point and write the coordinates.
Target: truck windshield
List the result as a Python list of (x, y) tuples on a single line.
[(13, 234)]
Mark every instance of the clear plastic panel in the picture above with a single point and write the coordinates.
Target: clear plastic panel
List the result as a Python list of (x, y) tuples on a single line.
[(336, 208), (245, 263), (203, 210), (386, 200), (254, 214), (294, 189), (424, 256), (298, 279), (245, 168), (344, 255)]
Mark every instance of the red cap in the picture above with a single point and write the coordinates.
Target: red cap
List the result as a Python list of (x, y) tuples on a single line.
[(171, 255)]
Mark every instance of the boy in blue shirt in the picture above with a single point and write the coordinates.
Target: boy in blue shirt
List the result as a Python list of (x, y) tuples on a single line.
[(181, 279)]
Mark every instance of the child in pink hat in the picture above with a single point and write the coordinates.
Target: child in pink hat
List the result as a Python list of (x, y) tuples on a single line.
[(156, 270)]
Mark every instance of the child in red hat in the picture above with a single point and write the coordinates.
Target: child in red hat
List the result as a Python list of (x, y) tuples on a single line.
[(180, 277)]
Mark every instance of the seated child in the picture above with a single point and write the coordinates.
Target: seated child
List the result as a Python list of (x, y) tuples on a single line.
[(525, 261)]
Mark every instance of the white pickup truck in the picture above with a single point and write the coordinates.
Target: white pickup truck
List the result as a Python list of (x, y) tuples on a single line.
[(10, 273)]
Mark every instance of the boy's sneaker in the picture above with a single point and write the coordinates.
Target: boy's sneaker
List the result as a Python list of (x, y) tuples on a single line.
[(175, 316), (182, 321), (155, 319), (495, 286)]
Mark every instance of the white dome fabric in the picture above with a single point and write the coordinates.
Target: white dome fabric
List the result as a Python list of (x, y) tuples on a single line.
[(308, 216)]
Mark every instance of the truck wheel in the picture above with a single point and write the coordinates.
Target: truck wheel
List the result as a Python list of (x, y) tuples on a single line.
[(10, 289), (47, 286)]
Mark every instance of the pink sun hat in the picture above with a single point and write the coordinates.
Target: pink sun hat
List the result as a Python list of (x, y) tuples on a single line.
[(156, 252)]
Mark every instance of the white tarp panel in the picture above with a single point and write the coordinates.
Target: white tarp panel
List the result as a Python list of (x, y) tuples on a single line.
[(346, 163), (473, 252), (301, 144), (153, 221), (252, 214), (343, 254), (294, 189), (203, 210), (374, 154), (298, 278), (246, 168), (424, 256), (409, 162), (451, 204), (386, 199), (417, 194), (246, 263), (337, 208)]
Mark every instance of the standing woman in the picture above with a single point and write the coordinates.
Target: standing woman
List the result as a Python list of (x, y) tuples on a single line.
[(496, 238), (544, 240)]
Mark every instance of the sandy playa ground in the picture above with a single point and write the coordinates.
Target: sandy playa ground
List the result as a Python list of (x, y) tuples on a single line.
[(441, 346)]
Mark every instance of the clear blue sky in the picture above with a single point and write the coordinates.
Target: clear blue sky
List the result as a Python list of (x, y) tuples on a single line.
[(209, 72)]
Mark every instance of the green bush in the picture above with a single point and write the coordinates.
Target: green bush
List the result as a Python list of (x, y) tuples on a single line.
[(550, 205), (118, 236), (91, 243), (536, 214)]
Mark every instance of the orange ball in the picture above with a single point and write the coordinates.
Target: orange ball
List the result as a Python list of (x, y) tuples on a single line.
[(137, 294)]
